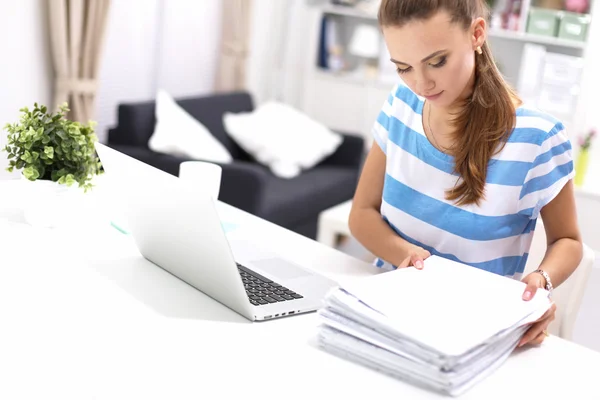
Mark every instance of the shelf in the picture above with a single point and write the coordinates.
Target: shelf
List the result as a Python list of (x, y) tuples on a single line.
[(350, 11), (531, 38)]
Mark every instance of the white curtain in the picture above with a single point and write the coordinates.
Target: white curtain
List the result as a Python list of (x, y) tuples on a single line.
[(278, 50), (77, 31), (235, 29)]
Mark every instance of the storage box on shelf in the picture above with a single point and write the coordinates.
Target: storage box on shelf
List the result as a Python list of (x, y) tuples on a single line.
[(543, 22), (574, 26), (556, 23)]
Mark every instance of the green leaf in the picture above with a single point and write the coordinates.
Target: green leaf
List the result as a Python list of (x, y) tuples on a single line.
[(31, 173), (70, 179), (49, 152), (26, 156)]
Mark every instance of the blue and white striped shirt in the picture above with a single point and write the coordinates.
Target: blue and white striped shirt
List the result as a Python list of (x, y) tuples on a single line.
[(527, 174)]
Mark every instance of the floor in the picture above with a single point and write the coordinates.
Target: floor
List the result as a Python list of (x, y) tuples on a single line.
[(587, 328)]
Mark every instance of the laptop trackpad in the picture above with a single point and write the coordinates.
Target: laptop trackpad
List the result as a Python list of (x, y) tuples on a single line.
[(280, 268)]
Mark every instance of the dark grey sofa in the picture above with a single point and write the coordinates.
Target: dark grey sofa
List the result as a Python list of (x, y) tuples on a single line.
[(294, 204)]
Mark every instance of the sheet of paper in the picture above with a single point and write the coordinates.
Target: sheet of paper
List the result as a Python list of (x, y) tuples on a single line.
[(448, 306)]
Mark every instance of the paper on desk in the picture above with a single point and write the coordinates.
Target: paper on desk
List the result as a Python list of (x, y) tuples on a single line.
[(448, 307), (347, 314), (362, 352)]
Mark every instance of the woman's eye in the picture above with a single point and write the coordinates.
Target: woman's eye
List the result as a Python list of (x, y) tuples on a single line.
[(403, 70), (440, 63)]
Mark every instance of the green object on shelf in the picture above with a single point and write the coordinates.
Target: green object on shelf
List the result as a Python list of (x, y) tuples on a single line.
[(543, 21), (574, 26), (581, 166)]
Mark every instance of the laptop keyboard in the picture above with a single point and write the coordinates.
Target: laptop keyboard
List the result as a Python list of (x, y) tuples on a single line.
[(263, 291)]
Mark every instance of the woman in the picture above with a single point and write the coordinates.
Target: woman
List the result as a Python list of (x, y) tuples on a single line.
[(460, 167)]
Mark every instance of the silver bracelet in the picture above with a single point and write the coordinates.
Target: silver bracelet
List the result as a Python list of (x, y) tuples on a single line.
[(549, 286)]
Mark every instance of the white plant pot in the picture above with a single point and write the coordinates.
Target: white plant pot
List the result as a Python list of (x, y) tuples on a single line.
[(48, 204)]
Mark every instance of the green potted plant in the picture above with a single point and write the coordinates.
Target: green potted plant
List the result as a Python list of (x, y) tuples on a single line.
[(56, 155)]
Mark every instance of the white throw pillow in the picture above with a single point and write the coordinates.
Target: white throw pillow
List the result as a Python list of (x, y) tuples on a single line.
[(179, 134), (282, 138)]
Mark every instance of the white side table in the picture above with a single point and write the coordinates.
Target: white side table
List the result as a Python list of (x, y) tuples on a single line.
[(333, 223)]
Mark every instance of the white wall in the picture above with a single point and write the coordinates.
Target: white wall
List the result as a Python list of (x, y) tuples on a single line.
[(171, 44), (189, 46), (25, 70)]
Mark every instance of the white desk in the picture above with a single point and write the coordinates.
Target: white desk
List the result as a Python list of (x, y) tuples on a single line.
[(86, 317)]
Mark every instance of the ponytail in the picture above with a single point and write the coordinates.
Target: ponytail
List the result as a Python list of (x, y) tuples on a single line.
[(481, 129)]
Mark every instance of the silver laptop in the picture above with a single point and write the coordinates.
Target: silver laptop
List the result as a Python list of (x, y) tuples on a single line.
[(176, 226)]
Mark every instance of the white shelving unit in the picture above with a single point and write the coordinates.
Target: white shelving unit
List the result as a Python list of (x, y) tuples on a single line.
[(344, 101), (351, 103), (539, 39)]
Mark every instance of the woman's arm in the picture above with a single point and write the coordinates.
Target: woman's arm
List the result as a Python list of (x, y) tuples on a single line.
[(366, 223), (565, 248), (563, 255)]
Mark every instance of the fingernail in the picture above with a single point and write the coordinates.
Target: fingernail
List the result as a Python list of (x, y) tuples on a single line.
[(527, 295), (419, 264)]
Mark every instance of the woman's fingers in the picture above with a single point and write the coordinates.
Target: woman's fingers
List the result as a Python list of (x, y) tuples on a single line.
[(531, 334), (405, 263), (417, 262), (539, 339), (412, 260), (536, 334)]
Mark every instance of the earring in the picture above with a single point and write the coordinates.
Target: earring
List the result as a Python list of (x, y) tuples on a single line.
[(479, 51)]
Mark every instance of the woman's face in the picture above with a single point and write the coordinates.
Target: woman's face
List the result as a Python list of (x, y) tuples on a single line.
[(434, 57)]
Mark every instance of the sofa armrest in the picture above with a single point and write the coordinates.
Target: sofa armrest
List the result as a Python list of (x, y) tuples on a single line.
[(350, 153), (243, 185)]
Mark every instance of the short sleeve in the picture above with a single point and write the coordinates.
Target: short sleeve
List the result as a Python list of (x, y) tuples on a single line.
[(549, 172), (381, 125)]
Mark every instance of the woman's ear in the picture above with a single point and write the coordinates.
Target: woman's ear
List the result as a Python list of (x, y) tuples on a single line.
[(478, 32)]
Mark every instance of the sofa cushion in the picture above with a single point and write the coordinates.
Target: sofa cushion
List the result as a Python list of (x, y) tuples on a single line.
[(282, 138), (179, 134), (136, 120), (289, 201)]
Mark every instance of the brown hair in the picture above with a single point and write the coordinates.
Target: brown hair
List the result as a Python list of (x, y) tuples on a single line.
[(488, 116)]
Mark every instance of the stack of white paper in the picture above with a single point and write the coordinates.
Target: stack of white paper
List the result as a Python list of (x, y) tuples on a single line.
[(445, 327)]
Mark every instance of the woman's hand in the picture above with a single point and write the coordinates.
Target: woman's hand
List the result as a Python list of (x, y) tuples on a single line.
[(415, 257), (536, 334)]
